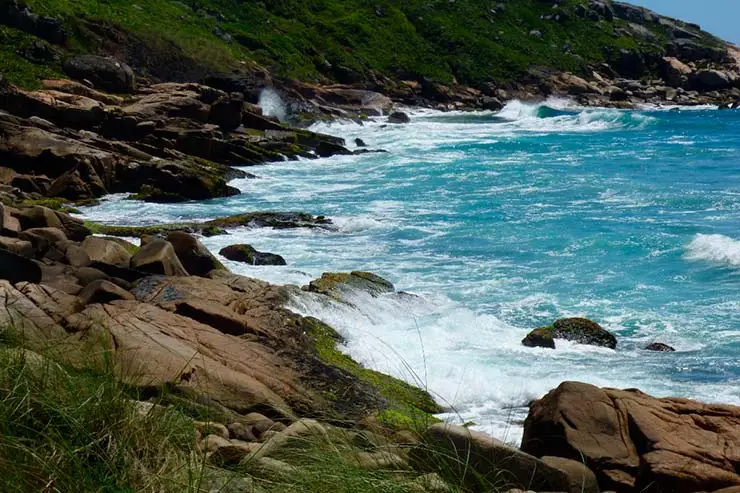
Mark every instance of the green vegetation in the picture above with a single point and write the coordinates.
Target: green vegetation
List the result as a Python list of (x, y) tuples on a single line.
[(66, 430), (409, 407), (18, 63), (468, 41)]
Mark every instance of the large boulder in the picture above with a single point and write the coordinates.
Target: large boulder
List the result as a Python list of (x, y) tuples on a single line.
[(106, 251), (105, 73), (398, 117), (580, 330), (227, 112), (634, 442), (248, 255), (713, 80), (158, 257), (195, 257), (477, 460), (675, 73)]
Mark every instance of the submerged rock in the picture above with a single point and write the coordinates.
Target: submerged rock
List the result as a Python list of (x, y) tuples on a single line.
[(659, 347), (248, 255), (541, 337), (398, 117)]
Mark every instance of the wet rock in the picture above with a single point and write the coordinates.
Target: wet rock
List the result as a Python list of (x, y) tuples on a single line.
[(474, 459), (633, 441), (398, 117), (659, 347), (105, 73), (580, 330), (360, 143), (329, 149), (334, 283), (194, 256), (158, 257), (542, 337), (277, 220), (248, 255)]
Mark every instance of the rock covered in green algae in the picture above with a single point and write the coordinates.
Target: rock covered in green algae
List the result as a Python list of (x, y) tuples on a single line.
[(333, 283), (580, 330)]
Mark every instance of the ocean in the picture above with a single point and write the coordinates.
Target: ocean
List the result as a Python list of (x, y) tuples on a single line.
[(504, 222)]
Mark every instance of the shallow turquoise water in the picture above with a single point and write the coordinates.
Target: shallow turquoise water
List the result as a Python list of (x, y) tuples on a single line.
[(505, 222)]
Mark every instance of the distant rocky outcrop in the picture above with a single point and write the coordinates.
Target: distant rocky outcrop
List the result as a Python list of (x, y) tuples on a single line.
[(634, 442), (165, 143)]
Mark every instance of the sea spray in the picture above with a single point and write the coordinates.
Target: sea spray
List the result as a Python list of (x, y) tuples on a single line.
[(718, 249), (272, 104)]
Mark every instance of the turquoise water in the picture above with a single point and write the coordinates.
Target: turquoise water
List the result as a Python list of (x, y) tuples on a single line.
[(505, 222)]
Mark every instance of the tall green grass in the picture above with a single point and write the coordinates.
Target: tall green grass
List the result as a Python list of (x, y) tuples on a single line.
[(68, 431)]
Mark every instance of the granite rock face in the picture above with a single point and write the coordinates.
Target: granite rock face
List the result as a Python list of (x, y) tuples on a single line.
[(634, 442)]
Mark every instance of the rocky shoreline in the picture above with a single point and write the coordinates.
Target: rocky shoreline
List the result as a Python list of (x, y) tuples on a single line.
[(183, 329)]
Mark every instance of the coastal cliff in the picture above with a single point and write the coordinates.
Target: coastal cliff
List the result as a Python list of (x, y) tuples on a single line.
[(447, 54)]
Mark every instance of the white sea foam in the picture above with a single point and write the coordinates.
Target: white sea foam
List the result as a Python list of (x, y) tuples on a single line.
[(272, 104), (718, 249)]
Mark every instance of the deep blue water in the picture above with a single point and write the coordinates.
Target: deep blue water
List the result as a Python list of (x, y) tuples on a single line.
[(505, 222)]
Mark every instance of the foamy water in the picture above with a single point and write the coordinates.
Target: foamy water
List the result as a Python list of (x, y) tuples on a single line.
[(503, 222)]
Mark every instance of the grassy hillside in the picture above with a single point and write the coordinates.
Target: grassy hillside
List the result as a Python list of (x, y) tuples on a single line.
[(470, 41)]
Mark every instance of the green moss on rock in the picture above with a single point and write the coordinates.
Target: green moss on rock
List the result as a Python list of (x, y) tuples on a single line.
[(407, 404)]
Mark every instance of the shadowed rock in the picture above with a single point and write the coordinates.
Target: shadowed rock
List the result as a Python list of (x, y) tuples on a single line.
[(158, 257), (248, 255)]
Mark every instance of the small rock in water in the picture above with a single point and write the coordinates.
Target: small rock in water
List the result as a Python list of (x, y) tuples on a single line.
[(541, 337), (659, 347), (398, 117), (248, 255), (360, 143)]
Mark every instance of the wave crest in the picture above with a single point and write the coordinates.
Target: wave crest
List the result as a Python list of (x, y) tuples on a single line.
[(718, 249)]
